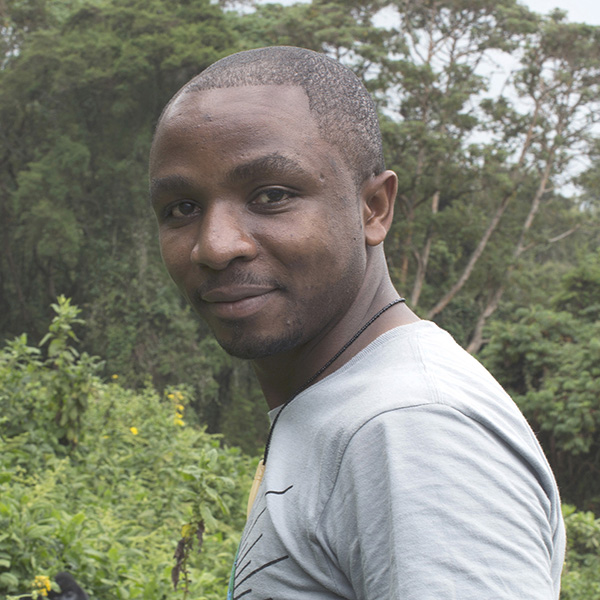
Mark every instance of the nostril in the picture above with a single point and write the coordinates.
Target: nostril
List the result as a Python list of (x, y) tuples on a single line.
[(219, 243)]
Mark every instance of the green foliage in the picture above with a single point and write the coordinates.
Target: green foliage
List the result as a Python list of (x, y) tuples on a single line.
[(581, 289), (580, 574), (243, 418), (549, 361), (111, 507), (343, 28), (69, 383), (55, 389)]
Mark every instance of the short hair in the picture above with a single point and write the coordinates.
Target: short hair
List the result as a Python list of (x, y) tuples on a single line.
[(343, 108)]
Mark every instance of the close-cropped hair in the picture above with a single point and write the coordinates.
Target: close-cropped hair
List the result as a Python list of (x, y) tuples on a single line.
[(343, 108)]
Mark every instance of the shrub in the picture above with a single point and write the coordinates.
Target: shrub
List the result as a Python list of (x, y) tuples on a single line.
[(580, 579), (107, 491)]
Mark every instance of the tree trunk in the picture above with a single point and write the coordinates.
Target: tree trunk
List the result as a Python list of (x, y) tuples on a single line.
[(423, 258), (492, 305), (477, 338), (464, 277), (475, 256)]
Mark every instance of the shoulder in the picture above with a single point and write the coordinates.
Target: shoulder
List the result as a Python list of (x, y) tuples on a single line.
[(413, 366), (443, 497), (412, 390)]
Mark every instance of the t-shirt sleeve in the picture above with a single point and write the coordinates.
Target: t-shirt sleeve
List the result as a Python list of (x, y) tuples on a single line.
[(430, 504)]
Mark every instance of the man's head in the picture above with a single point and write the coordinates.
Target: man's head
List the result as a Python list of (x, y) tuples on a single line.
[(263, 223), (339, 102)]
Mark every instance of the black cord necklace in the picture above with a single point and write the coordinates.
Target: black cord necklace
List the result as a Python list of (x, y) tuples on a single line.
[(261, 465)]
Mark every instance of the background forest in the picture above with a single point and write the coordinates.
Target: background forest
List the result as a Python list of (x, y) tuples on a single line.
[(489, 114)]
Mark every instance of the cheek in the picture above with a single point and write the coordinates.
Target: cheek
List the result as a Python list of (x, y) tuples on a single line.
[(175, 255), (334, 259)]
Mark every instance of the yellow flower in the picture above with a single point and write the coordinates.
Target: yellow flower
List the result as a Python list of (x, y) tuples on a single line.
[(115, 376), (134, 430), (42, 584), (171, 396), (179, 396), (178, 416), (180, 407), (179, 422)]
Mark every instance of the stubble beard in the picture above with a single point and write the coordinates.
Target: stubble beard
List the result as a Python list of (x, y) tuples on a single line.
[(297, 329), (253, 346)]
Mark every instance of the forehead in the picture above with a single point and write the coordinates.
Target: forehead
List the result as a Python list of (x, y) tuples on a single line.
[(241, 111), (251, 100), (240, 122)]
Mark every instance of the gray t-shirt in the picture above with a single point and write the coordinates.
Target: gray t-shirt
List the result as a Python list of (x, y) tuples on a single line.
[(406, 474)]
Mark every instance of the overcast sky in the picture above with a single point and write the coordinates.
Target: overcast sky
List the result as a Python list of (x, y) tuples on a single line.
[(580, 11)]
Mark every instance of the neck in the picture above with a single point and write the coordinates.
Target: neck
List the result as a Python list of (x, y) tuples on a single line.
[(281, 376)]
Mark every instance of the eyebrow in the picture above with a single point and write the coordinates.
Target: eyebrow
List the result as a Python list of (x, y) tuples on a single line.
[(169, 183), (275, 164)]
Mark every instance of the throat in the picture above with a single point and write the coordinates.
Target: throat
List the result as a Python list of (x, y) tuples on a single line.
[(315, 377), (283, 377)]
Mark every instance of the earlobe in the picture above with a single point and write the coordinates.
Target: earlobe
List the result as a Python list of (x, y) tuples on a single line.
[(379, 195)]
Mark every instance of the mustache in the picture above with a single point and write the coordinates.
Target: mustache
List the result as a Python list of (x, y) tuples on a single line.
[(235, 279)]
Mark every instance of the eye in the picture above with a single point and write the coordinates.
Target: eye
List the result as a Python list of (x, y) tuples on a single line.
[(272, 196), (182, 209)]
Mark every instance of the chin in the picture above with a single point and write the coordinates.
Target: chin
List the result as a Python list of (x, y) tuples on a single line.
[(256, 347)]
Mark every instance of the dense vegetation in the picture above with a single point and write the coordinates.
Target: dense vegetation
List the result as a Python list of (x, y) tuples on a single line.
[(496, 238), (104, 481)]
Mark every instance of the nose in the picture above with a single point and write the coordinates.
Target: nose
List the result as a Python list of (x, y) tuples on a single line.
[(223, 237)]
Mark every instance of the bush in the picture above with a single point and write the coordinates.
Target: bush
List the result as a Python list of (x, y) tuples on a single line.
[(103, 482), (580, 579), (549, 362)]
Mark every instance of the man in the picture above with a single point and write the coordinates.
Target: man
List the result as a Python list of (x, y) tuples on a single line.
[(396, 467)]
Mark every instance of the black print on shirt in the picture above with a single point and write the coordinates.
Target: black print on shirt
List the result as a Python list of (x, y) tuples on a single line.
[(287, 489), (245, 570)]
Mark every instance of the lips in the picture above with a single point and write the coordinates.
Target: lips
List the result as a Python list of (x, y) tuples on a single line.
[(234, 293), (237, 302)]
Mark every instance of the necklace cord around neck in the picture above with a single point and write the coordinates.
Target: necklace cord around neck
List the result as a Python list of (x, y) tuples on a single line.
[(313, 377)]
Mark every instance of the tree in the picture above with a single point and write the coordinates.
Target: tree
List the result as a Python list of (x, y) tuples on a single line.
[(431, 80), (548, 359), (561, 80)]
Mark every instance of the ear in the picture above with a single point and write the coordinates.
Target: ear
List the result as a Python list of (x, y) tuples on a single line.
[(378, 197)]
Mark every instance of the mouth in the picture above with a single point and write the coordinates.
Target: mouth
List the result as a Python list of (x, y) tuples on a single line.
[(237, 302), (236, 293)]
